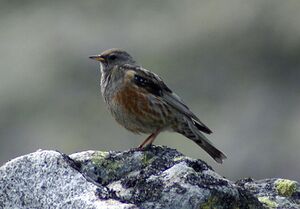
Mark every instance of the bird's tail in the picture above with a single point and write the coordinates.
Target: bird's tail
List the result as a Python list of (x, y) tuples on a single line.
[(205, 144), (189, 130)]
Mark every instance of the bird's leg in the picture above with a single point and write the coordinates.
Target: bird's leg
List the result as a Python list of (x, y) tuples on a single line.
[(145, 141), (149, 140)]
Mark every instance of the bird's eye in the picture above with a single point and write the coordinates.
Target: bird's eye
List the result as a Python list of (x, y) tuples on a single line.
[(112, 57)]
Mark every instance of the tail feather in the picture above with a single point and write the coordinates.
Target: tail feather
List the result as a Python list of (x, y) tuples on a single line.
[(216, 154), (189, 130)]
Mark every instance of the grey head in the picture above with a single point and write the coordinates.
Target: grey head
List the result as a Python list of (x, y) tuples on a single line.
[(112, 57)]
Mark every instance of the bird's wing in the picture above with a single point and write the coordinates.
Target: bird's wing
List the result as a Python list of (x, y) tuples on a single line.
[(155, 85), (176, 102)]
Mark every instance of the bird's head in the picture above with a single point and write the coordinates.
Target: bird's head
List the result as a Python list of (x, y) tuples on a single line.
[(112, 57)]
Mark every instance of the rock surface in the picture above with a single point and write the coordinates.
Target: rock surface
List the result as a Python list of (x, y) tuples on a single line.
[(274, 193), (158, 177)]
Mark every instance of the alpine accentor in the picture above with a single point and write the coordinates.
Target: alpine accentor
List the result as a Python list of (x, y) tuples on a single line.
[(141, 102)]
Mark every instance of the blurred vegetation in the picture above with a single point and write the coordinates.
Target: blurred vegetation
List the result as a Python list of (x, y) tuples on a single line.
[(235, 63)]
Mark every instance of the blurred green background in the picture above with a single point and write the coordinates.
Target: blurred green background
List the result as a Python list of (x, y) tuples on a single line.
[(235, 63)]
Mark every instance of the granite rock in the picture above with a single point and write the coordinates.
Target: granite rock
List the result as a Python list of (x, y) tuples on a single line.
[(274, 192), (158, 177)]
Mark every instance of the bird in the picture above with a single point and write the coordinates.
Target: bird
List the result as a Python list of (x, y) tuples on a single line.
[(140, 101)]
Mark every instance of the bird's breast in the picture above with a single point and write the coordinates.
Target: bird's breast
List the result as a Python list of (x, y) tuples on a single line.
[(137, 110)]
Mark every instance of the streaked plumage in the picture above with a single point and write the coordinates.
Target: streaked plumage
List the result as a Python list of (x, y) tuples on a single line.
[(141, 102)]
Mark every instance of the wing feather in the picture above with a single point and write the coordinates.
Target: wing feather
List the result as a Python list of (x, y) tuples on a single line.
[(155, 85), (176, 102)]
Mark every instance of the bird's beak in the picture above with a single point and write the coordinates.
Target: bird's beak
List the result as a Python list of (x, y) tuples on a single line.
[(97, 57)]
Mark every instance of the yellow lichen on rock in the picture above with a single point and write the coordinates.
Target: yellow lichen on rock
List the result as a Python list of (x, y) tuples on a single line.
[(98, 157), (267, 202), (285, 187)]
